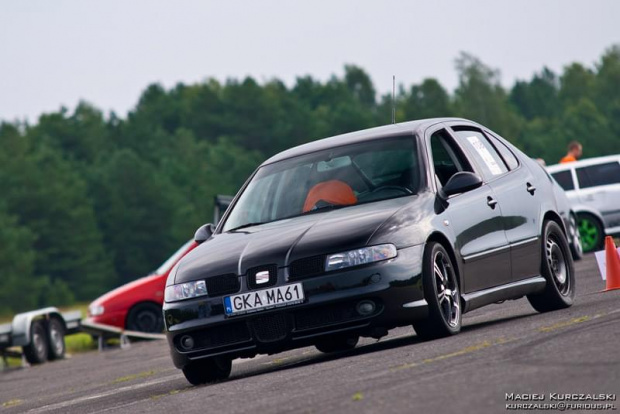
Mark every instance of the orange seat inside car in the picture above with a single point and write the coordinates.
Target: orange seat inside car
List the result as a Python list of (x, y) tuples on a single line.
[(334, 192)]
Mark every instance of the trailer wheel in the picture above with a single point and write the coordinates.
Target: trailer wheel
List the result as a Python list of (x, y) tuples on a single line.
[(56, 339), (36, 351)]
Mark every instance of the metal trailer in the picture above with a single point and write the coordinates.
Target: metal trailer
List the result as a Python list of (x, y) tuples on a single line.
[(40, 334)]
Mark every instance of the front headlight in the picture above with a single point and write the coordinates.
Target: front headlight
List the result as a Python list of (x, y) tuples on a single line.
[(95, 310), (360, 256), (185, 291)]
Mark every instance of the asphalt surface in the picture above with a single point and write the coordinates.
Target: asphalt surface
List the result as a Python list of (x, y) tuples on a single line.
[(503, 349)]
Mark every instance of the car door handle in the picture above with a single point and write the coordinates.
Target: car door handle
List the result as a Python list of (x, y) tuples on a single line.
[(491, 202), (530, 188)]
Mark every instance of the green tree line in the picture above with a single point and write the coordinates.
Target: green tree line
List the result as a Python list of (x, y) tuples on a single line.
[(90, 201)]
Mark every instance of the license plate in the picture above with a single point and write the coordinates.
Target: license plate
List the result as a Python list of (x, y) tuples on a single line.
[(264, 299)]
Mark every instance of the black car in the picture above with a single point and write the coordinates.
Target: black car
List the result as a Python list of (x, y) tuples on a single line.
[(349, 236)]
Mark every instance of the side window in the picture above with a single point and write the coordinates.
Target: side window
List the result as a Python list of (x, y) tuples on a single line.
[(447, 158), (565, 179), (507, 155), (484, 154), (601, 174)]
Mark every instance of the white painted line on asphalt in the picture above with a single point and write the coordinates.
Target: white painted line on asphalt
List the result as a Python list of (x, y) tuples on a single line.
[(118, 407), (79, 400)]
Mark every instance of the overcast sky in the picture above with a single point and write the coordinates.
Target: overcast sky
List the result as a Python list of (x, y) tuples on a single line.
[(55, 53)]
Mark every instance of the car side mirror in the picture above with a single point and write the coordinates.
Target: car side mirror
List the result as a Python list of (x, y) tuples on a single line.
[(204, 233), (461, 182)]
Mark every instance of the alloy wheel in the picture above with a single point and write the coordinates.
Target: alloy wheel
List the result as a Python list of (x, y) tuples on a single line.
[(557, 264), (447, 289), (590, 234)]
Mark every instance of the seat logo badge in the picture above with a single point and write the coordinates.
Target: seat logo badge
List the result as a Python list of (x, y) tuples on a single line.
[(262, 277)]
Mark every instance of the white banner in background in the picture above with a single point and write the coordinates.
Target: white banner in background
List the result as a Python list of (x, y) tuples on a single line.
[(601, 260)]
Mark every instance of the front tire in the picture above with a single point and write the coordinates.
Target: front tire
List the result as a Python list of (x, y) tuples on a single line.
[(442, 293), (37, 351), (557, 269), (145, 317), (337, 343), (207, 370)]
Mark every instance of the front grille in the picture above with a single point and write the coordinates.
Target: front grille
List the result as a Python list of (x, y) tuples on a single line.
[(270, 328), (273, 276), (220, 336), (222, 285), (326, 315), (308, 267)]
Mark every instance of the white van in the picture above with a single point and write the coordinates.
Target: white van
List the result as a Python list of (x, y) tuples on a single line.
[(593, 188)]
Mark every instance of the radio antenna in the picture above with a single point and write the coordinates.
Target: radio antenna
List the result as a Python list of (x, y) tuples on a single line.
[(393, 99)]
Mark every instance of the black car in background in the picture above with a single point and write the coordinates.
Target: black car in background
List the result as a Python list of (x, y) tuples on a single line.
[(406, 224)]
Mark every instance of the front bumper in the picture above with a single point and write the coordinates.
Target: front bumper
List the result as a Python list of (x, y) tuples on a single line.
[(112, 317), (394, 286)]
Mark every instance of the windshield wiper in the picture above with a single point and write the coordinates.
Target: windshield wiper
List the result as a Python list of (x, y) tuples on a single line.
[(243, 226), (325, 207)]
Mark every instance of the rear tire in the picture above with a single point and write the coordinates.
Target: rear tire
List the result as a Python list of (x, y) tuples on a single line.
[(442, 293), (36, 351), (337, 343), (557, 269), (145, 317), (207, 370), (591, 231), (56, 339)]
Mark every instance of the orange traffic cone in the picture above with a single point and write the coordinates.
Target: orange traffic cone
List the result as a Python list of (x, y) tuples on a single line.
[(613, 264)]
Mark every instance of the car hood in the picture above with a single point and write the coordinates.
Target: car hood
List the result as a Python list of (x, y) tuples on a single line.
[(284, 241)]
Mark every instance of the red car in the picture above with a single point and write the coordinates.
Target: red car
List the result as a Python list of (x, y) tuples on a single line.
[(137, 305)]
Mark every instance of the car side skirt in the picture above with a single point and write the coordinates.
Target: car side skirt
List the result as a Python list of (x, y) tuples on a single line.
[(513, 290)]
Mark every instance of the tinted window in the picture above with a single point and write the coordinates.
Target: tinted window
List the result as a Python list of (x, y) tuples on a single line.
[(447, 159), (565, 179), (484, 154), (507, 155), (601, 174)]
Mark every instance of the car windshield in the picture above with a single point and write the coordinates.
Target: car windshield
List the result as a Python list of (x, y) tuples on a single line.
[(333, 178), (172, 259)]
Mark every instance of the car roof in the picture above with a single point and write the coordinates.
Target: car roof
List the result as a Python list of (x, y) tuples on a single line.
[(583, 163), (386, 131)]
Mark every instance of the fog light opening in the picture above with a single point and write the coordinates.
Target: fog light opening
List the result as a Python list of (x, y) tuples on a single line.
[(187, 342), (366, 307)]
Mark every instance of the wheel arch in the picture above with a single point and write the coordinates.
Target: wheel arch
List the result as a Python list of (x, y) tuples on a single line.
[(445, 242), (594, 214), (582, 209), (22, 323), (555, 217)]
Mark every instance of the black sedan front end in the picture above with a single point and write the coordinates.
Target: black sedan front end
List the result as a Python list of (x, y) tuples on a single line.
[(317, 249), (365, 300)]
